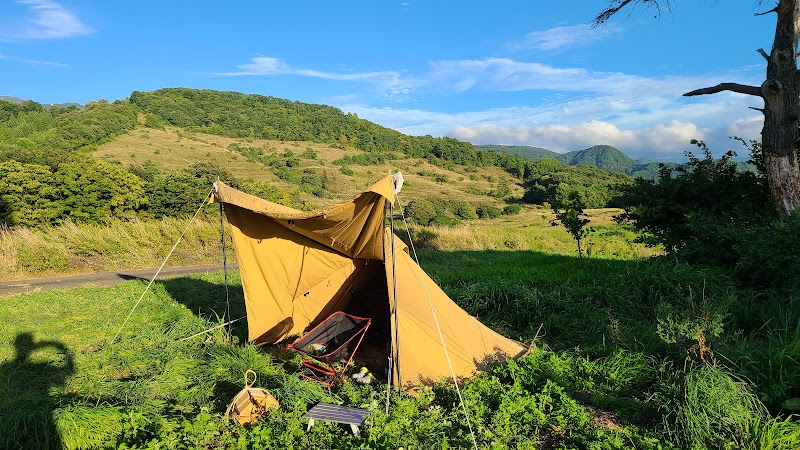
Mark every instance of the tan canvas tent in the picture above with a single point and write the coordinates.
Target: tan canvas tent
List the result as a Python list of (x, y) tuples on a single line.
[(298, 267)]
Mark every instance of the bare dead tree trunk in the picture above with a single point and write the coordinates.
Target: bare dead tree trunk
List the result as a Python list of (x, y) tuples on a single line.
[(781, 134), (780, 92)]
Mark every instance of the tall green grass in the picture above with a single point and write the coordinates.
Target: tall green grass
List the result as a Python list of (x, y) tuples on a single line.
[(124, 244), (68, 385), (72, 248), (603, 375)]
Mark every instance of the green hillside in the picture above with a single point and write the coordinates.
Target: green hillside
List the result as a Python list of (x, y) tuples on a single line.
[(155, 154), (603, 157)]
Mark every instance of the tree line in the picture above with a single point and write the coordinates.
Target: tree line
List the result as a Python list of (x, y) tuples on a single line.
[(49, 175)]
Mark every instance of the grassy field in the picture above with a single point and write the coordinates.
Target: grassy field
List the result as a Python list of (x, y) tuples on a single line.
[(630, 352), (617, 365), (174, 149), (71, 249)]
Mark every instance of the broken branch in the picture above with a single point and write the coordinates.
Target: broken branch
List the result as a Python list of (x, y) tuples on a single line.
[(733, 87), (773, 10)]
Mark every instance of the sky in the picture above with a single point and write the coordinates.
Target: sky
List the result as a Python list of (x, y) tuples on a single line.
[(527, 72)]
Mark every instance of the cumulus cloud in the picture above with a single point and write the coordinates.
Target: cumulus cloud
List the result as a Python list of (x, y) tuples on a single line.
[(560, 38), (46, 20), (575, 107), (664, 139), (748, 128)]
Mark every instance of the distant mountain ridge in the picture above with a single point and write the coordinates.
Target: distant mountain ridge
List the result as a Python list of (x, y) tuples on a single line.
[(603, 157), (18, 100)]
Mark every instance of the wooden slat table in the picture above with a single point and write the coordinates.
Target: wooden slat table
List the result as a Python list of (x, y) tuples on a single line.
[(335, 413)]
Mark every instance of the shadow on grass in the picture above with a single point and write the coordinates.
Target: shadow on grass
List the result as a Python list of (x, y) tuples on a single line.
[(26, 401), (594, 304), (581, 303), (211, 301)]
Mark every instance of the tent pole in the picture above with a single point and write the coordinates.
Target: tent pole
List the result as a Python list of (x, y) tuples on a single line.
[(394, 288), (389, 383), (225, 268)]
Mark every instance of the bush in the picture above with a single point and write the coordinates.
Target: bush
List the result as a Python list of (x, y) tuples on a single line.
[(768, 254), (702, 212), (486, 211), (512, 209), (443, 220), (462, 209), (421, 212)]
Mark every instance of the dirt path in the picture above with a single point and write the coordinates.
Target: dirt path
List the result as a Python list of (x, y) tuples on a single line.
[(101, 279)]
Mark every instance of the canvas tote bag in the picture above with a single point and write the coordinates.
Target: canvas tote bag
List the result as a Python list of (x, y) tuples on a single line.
[(251, 403)]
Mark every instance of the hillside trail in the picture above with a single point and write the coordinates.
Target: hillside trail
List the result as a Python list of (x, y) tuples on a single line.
[(12, 287)]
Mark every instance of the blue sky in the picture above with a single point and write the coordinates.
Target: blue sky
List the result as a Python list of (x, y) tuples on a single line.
[(528, 72)]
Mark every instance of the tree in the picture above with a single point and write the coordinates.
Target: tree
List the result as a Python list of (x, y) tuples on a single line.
[(780, 92), (569, 213)]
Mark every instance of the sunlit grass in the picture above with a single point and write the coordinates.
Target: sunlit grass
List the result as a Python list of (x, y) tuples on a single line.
[(601, 373)]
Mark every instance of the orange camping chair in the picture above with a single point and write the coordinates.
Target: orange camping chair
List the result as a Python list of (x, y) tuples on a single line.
[(328, 349)]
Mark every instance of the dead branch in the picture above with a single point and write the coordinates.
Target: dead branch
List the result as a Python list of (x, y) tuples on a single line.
[(732, 87), (773, 10), (609, 12)]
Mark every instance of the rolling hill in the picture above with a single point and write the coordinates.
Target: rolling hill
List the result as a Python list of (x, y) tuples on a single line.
[(603, 157), (154, 154)]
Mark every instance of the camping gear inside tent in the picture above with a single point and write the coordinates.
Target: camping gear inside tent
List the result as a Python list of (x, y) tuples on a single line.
[(297, 268), (329, 348)]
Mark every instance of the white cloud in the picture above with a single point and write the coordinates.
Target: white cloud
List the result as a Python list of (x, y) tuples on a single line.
[(32, 62), (560, 38), (268, 66), (503, 74), (663, 139), (748, 128), (576, 107), (47, 20), (574, 126)]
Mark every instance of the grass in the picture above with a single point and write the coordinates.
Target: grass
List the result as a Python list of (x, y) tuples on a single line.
[(72, 249), (173, 149), (603, 376), (136, 244)]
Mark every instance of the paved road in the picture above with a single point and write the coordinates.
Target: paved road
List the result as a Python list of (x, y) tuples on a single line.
[(102, 279)]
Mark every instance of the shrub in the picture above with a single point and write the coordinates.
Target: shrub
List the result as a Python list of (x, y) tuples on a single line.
[(487, 211), (420, 211), (510, 210), (462, 209), (310, 153), (701, 212), (768, 254)]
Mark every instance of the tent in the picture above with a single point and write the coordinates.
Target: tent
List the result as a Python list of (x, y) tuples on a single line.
[(297, 268)]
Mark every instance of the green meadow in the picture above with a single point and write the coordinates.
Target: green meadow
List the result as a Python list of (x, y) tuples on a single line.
[(691, 344), (616, 362)]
